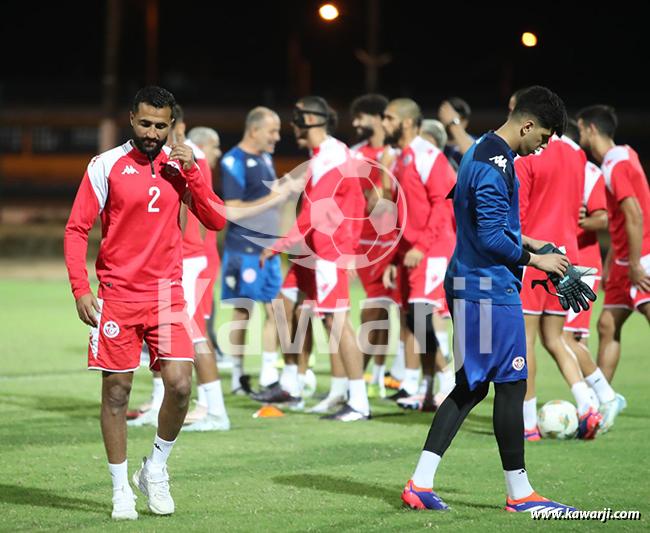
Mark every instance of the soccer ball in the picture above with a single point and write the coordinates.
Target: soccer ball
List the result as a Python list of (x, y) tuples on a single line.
[(558, 419)]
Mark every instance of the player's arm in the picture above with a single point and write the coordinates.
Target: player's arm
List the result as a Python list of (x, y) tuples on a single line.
[(387, 160), (634, 230), (84, 212), (201, 200), (595, 221), (457, 132), (281, 190)]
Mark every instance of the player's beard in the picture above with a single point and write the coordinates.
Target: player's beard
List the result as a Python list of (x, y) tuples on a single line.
[(394, 137), (150, 151), (364, 133)]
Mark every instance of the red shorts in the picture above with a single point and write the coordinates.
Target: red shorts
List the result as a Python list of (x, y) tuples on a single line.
[(537, 301), (579, 322), (371, 276), (425, 282), (619, 291), (204, 309), (322, 284), (115, 345)]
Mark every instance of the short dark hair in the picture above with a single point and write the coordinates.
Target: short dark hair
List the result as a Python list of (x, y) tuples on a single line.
[(460, 106), (178, 114), (545, 106), (572, 131), (369, 104), (320, 105), (601, 116), (154, 96)]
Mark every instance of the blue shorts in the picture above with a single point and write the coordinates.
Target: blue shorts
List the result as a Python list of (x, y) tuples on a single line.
[(489, 341), (242, 277)]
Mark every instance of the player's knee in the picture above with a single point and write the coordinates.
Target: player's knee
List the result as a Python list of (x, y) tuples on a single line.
[(179, 389), (606, 326), (117, 396)]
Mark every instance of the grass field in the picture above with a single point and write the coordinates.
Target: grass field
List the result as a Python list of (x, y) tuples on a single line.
[(288, 474)]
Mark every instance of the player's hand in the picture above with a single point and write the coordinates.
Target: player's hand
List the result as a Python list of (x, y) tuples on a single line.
[(389, 279), (413, 258), (535, 244), (86, 307), (388, 156), (639, 277), (447, 113), (582, 215), (183, 154), (550, 263), (266, 254)]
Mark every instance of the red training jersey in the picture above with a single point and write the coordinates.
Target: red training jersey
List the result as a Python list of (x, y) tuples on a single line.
[(139, 202), (594, 199), (551, 189), (425, 214), (624, 177)]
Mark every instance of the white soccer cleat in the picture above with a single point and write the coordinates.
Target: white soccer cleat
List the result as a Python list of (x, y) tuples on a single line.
[(610, 411), (124, 504), (210, 423), (156, 490), (330, 403), (150, 418)]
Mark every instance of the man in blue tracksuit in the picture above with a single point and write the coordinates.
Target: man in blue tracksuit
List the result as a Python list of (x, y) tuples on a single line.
[(482, 287)]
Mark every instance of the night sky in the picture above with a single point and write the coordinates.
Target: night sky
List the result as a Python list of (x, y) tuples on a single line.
[(235, 53)]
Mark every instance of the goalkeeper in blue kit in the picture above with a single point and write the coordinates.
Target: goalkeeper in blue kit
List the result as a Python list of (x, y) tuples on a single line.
[(482, 287)]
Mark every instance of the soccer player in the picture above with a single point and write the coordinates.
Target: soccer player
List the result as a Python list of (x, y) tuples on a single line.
[(253, 214), (547, 215), (326, 245), (454, 113), (426, 218), (367, 112), (138, 189), (482, 283), (626, 273), (593, 218)]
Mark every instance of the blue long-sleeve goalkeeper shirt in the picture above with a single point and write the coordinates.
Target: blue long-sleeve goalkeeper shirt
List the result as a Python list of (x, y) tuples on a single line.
[(485, 264)]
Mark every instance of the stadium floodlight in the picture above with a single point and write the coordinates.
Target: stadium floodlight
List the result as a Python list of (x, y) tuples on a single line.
[(529, 39), (328, 12)]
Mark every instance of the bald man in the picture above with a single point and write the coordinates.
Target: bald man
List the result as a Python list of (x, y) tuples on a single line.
[(425, 216)]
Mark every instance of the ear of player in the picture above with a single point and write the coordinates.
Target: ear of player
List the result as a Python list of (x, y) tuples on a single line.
[(571, 290)]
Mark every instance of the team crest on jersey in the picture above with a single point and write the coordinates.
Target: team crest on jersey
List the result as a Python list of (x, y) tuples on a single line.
[(518, 363), (111, 329), (407, 160), (499, 161)]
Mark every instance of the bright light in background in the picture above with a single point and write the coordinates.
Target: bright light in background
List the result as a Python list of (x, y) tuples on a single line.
[(529, 39), (328, 12)]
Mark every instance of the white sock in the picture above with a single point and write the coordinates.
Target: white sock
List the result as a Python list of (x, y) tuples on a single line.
[(426, 386), (594, 399), (120, 476), (338, 388), (517, 483), (269, 374), (202, 399), (446, 381), (425, 471), (214, 397), (599, 383), (410, 381), (359, 396), (530, 414), (580, 392), (158, 393), (159, 455), (237, 371), (289, 379), (399, 364), (378, 372), (443, 342)]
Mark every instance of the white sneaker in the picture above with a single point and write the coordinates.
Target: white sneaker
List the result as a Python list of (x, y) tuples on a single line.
[(610, 411), (309, 386), (210, 423), (196, 414), (156, 490), (329, 403), (150, 418), (124, 504)]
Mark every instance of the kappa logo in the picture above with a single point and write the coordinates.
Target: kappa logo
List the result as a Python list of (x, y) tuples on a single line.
[(128, 169), (518, 363), (250, 163), (111, 329), (499, 161)]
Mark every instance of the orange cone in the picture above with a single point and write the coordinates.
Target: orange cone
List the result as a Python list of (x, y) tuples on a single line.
[(268, 411)]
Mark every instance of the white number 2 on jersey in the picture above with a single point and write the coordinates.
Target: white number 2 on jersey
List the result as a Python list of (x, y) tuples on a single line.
[(155, 192)]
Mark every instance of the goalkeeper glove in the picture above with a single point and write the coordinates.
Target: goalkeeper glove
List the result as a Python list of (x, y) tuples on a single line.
[(571, 290)]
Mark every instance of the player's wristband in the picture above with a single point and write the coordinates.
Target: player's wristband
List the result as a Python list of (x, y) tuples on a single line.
[(525, 257)]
